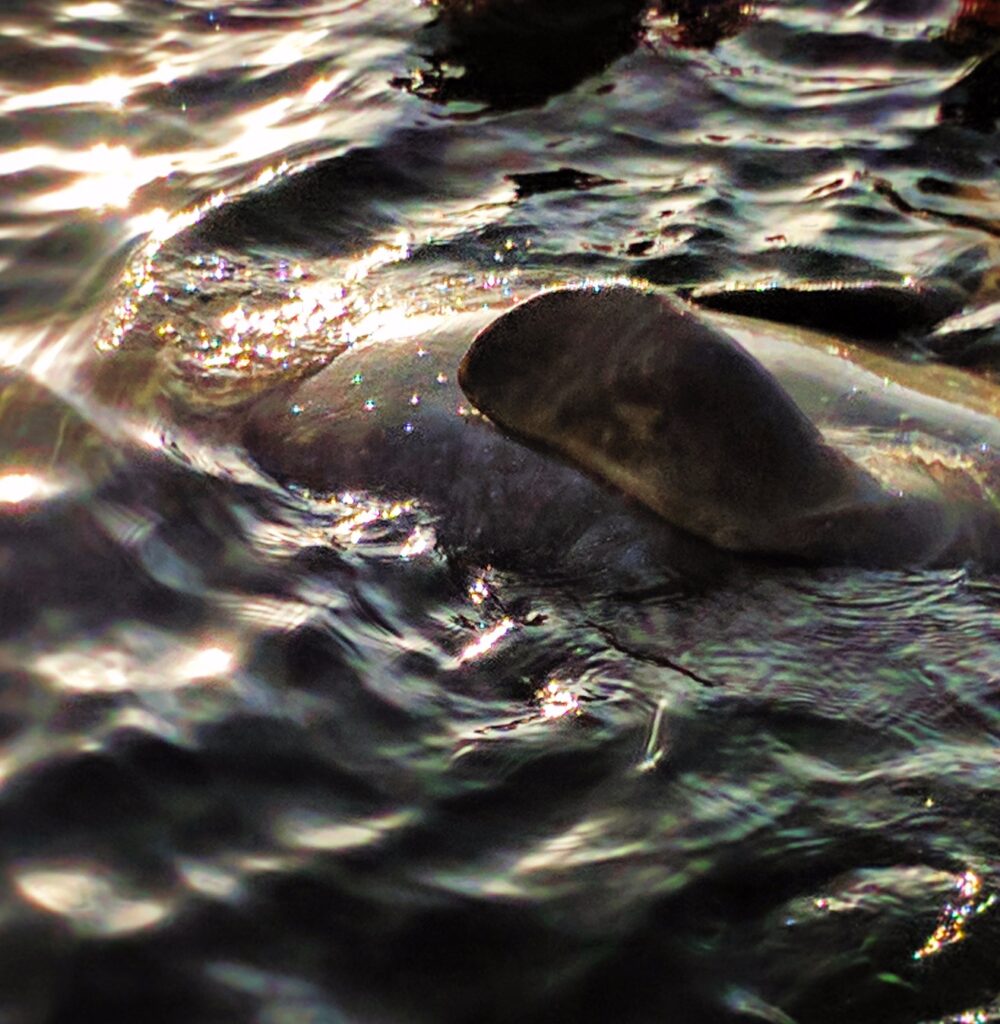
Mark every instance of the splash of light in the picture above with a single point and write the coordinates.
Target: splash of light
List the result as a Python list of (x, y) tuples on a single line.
[(557, 701), (289, 49), (971, 1017), (127, 661), (97, 10), (208, 662), (380, 256), (151, 437), (478, 591), (88, 899), (139, 278), (586, 842), (420, 541), (312, 832), (247, 337), (656, 744), (254, 338), (93, 671), (318, 92), (951, 926), (485, 642), (273, 332), (108, 176), (351, 528), (108, 90), (18, 488), (208, 879)]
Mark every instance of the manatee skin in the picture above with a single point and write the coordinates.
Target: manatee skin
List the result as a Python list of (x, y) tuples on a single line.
[(655, 400), (389, 419), (614, 429), (644, 393)]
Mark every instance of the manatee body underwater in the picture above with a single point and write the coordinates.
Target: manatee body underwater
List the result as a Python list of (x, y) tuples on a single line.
[(612, 424)]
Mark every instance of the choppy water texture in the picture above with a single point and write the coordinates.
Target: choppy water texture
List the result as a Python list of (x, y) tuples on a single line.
[(272, 755)]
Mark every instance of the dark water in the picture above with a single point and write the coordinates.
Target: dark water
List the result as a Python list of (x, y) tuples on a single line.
[(268, 755)]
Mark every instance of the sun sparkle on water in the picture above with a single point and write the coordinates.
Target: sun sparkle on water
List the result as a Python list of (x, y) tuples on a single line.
[(557, 700), (98, 10), (955, 915), (90, 898), (486, 641), (18, 488), (207, 662)]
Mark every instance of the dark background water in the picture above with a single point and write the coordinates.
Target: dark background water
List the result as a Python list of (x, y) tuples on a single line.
[(271, 755)]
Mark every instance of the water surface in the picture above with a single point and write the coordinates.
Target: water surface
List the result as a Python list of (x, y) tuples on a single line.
[(276, 755)]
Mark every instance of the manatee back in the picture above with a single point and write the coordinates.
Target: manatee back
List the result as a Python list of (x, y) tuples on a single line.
[(388, 419), (638, 390)]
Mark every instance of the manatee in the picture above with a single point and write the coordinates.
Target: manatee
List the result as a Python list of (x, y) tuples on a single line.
[(388, 419), (696, 424), (613, 423)]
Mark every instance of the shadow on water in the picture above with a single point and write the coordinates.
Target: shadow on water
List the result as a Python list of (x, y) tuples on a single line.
[(516, 53), (331, 207), (975, 102)]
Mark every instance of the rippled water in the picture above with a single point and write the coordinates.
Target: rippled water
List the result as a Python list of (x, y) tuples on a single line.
[(276, 755)]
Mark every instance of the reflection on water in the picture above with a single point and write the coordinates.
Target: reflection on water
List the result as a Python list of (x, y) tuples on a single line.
[(273, 754), (20, 488), (955, 915)]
